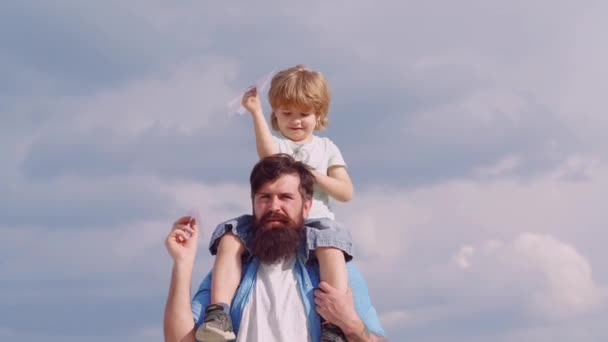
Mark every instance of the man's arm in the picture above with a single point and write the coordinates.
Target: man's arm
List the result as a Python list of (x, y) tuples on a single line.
[(179, 324), (181, 244), (359, 333), (339, 308)]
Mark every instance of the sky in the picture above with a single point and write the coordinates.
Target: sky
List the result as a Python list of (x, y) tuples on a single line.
[(474, 132)]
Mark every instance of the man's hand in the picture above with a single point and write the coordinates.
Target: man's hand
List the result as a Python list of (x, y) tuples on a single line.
[(182, 241), (335, 306), (251, 101), (339, 308)]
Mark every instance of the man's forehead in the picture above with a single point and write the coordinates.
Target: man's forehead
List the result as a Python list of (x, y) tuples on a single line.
[(288, 183)]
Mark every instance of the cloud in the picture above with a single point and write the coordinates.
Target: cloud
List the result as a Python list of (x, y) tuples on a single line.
[(460, 253), (554, 280), (169, 125), (114, 272), (72, 203)]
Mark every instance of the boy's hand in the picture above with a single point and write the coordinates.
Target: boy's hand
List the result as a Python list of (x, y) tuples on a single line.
[(251, 101), (182, 241)]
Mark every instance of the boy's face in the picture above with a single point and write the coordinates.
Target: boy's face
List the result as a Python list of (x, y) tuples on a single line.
[(296, 124)]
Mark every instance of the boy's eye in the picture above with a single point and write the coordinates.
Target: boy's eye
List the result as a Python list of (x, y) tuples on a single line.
[(305, 114)]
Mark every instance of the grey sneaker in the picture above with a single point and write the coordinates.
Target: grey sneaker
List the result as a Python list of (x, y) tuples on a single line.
[(331, 333), (217, 326)]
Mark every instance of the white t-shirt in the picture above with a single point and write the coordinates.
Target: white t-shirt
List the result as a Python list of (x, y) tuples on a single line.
[(320, 154), (275, 310)]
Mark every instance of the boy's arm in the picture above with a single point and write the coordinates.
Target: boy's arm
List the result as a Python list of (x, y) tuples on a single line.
[(264, 141), (336, 183)]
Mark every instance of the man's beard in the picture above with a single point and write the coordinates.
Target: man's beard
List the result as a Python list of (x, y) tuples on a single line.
[(276, 241)]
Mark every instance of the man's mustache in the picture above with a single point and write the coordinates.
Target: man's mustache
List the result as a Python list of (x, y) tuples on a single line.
[(275, 216)]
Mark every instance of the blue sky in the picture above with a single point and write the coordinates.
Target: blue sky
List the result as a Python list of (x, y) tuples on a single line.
[(474, 133)]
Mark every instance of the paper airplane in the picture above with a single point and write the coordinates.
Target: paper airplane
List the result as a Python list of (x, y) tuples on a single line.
[(235, 106)]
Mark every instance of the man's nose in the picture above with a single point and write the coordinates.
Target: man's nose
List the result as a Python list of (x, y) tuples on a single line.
[(275, 204)]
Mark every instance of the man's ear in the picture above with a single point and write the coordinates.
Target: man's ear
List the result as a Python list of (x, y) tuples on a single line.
[(306, 207)]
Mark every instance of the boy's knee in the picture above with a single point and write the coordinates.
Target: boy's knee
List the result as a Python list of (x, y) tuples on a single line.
[(230, 242)]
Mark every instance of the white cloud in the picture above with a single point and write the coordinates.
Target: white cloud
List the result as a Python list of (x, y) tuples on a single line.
[(186, 98), (569, 289), (502, 167), (394, 319), (463, 257), (550, 278)]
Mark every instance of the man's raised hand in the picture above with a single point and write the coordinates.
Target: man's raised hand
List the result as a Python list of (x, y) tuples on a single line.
[(182, 241)]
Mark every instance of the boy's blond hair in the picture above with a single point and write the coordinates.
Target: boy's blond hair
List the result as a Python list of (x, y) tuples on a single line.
[(302, 88)]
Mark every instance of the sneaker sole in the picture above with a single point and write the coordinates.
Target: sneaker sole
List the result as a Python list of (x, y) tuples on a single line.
[(210, 334)]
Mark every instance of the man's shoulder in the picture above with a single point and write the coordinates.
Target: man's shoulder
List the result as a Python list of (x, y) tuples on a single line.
[(236, 222)]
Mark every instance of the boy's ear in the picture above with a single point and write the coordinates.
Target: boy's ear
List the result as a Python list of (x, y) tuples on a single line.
[(273, 121)]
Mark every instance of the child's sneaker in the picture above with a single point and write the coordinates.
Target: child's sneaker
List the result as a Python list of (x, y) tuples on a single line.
[(331, 333), (217, 325)]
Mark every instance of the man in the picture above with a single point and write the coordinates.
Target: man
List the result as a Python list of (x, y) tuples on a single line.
[(276, 299)]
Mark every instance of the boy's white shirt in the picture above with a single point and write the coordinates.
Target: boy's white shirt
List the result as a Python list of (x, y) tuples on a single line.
[(320, 154), (275, 310)]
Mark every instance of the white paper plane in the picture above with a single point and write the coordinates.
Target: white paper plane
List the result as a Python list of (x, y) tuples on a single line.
[(194, 215), (235, 106)]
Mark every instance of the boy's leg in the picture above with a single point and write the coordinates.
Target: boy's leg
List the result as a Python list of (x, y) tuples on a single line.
[(225, 278), (227, 268), (332, 246), (332, 267)]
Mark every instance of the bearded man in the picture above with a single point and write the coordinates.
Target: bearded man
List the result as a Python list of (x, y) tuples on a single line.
[(279, 297)]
